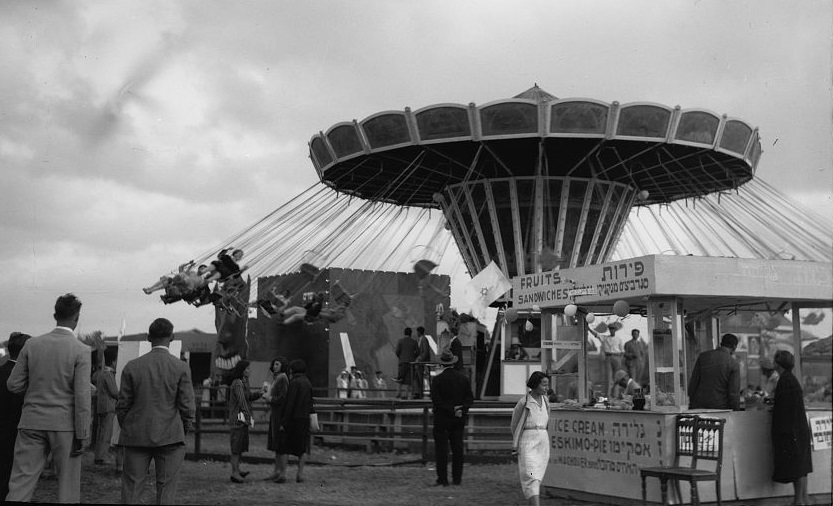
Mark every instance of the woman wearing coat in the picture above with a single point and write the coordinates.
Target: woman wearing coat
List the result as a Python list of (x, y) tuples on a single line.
[(790, 430), (294, 423)]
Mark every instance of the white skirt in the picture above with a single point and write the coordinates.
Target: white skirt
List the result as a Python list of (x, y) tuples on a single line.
[(533, 457)]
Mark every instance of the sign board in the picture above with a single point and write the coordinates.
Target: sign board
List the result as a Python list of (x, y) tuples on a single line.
[(822, 431), (628, 278), (674, 275)]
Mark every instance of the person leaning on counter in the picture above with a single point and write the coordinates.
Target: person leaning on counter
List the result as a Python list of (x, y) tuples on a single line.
[(715, 380)]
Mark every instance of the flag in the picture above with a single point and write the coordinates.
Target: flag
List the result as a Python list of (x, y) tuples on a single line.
[(486, 287)]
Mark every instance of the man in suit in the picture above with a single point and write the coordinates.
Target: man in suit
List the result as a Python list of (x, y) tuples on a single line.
[(53, 374), (715, 380), (451, 397), (11, 406), (155, 410)]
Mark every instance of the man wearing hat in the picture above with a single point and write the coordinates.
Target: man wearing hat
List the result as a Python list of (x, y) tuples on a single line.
[(613, 349), (626, 385), (451, 397), (771, 375)]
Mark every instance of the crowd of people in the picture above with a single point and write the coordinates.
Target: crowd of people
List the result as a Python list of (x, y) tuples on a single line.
[(46, 412), (46, 409)]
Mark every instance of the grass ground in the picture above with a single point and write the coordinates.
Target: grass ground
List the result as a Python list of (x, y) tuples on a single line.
[(339, 478)]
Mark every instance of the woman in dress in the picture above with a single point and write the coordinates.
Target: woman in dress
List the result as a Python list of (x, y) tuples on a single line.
[(790, 430), (240, 416), (530, 438), (275, 394), (294, 421)]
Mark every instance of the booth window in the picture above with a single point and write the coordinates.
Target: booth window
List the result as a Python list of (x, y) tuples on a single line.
[(816, 355)]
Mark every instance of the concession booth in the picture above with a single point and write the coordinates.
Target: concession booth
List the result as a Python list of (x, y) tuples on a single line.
[(683, 304)]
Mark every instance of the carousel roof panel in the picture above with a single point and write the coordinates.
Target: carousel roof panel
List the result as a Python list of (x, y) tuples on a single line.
[(405, 156)]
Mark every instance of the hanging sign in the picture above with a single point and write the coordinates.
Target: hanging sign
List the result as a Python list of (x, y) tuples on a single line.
[(628, 278), (822, 430)]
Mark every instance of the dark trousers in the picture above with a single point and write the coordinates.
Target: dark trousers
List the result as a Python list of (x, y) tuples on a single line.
[(6, 459), (168, 462), (448, 430)]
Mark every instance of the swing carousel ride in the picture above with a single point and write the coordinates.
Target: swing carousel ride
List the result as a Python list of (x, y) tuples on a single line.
[(531, 183)]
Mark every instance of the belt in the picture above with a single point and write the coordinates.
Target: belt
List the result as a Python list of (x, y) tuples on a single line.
[(535, 428), (613, 354)]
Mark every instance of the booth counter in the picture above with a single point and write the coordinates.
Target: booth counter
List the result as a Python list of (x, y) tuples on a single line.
[(680, 300), (598, 452)]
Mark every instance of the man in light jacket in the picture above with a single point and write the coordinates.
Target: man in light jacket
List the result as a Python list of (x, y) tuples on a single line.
[(53, 374)]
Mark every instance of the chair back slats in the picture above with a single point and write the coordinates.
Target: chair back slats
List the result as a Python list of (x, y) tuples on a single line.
[(709, 436), (700, 438), (686, 435)]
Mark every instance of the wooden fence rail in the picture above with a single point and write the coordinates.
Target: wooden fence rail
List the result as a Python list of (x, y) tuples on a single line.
[(374, 423)]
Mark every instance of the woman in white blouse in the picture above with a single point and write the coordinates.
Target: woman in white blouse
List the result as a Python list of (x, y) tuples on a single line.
[(530, 438)]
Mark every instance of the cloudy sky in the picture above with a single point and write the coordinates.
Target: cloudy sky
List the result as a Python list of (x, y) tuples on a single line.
[(135, 135)]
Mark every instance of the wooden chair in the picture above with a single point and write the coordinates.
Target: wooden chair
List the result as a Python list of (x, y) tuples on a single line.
[(699, 439)]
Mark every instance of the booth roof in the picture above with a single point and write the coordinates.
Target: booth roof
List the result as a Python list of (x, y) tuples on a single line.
[(194, 340)]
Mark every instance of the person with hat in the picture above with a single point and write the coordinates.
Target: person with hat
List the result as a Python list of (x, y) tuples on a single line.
[(613, 349), (451, 397), (790, 433), (625, 385), (407, 351), (771, 376), (516, 351), (11, 407), (715, 378)]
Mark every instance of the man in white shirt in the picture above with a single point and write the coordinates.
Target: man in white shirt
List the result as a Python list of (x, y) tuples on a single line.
[(613, 349)]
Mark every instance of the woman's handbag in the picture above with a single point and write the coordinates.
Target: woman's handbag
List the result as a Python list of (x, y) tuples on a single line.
[(313, 423)]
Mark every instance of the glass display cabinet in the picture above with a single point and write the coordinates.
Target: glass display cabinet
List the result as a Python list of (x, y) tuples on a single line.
[(666, 354), (563, 355)]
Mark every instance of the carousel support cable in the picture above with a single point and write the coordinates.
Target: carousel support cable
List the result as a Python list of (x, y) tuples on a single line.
[(748, 215), (687, 230), (739, 230), (792, 219)]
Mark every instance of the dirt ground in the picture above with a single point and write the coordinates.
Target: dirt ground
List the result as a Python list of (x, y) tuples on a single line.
[(337, 477)]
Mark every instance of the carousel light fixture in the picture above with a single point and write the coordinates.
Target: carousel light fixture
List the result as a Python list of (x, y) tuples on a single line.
[(570, 309)]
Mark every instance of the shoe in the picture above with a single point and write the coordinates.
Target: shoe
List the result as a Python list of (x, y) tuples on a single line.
[(279, 479), (244, 473), (299, 479), (235, 479), (98, 462), (457, 483)]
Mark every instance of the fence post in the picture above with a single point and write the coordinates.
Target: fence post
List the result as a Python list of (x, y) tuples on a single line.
[(424, 435), (197, 426)]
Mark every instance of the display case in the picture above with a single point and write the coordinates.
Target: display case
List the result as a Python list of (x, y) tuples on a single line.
[(666, 354), (562, 353)]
